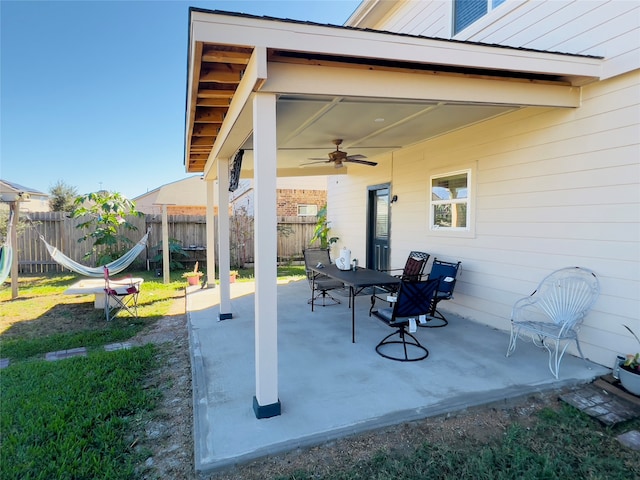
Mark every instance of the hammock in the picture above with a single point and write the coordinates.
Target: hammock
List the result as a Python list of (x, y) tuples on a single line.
[(114, 267), (6, 253)]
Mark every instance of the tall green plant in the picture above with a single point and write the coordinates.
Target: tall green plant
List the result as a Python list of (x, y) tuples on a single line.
[(176, 253), (321, 232), (107, 216)]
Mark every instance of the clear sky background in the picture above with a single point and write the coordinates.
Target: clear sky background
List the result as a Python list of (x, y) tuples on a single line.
[(93, 92)]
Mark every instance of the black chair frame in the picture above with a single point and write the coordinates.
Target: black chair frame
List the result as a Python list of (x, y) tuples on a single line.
[(414, 299), (413, 271), (321, 285)]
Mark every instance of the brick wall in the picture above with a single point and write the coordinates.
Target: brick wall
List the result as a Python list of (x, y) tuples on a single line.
[(187, 210), (288, 200)]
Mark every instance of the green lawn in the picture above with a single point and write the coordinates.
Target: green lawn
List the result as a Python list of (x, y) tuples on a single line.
[(71, 418)]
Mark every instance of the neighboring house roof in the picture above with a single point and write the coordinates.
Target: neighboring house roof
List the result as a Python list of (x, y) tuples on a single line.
[(190, 191), (5, 185), (11, 191), (30, 199)]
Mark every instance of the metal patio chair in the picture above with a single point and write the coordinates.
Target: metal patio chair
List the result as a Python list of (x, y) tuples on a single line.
[(413, 271), (323, 284), (120, 295), (554, 312), (414, 299)]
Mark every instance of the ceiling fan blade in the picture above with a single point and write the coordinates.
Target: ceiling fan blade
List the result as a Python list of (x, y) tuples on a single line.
[(363, 162), (356, 157), (314, 162)]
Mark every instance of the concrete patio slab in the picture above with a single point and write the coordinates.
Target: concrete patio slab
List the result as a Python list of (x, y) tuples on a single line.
[(330, 387)]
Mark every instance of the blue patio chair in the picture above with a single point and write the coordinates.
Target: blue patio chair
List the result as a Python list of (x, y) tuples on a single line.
[(414, 299), (446, 273), (554, 312), (412, 272)]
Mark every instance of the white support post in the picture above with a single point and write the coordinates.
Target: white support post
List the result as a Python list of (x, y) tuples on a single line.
[(223, 239), (211, 236), (266, 402)]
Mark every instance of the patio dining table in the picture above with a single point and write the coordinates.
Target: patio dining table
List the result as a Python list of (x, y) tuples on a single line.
[(357, 280)]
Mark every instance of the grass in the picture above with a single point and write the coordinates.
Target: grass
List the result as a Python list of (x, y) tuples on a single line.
[(72, 418), (69, 419), (559, 445)]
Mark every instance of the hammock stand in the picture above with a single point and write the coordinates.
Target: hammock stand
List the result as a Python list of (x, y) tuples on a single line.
[(6, 252), (114, 267)]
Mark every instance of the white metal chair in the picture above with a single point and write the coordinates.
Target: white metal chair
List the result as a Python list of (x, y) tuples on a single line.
[(554, 312), (121, 294)]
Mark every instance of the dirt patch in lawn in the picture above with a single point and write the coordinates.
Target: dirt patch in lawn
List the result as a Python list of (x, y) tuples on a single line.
[(166, 436)]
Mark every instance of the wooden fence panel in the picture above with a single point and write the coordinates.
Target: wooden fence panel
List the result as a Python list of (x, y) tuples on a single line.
[(294, 234)]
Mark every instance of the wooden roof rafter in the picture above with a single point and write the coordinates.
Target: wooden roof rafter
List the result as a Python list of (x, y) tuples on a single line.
[(217, 73)]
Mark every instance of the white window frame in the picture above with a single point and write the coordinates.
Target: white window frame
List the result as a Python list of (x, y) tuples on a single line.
[(307, 206), (468, 230)]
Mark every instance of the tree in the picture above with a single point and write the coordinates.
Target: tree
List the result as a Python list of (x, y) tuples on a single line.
[(62, 196), (107, 212)]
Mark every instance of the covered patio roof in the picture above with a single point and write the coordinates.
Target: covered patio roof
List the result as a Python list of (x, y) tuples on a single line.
[(378, 91), (282, 91)]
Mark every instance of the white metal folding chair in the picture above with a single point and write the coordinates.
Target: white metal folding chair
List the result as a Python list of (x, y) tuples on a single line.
[(554, 312)]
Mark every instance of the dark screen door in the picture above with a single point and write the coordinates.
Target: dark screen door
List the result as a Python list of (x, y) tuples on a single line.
[(378, 228)]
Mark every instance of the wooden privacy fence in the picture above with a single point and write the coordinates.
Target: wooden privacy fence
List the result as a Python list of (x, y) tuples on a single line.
[(294, 234)]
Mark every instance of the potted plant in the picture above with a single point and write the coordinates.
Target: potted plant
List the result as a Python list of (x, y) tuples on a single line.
[(630, 370), (193, 277), (233, 274)]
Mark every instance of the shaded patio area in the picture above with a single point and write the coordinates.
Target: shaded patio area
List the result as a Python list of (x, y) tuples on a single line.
[(330, 387)]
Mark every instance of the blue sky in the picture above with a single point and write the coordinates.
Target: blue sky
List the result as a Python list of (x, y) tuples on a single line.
[(93, 92)]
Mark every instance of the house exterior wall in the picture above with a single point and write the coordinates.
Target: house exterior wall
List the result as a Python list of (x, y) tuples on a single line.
[(553, 188)]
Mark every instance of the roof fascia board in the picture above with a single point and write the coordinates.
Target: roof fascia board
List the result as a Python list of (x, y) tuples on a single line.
[(330, 40), (370, 12), (238, 123), (288, 78), (193, 66)]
